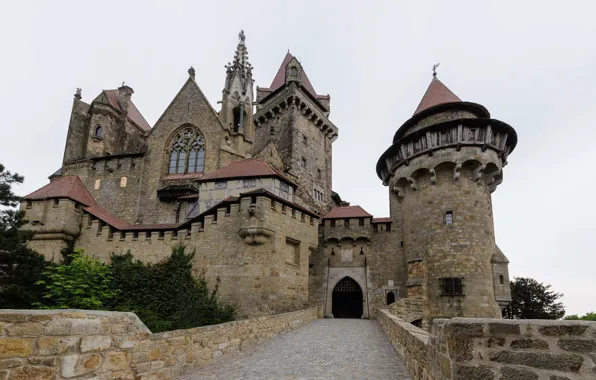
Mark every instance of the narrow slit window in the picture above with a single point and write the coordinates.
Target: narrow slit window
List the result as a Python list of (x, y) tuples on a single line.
[(501, 279), (449, 217)]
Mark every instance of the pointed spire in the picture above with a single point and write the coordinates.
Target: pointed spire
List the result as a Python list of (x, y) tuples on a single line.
[(240, 66), (280, 77), (436, 93)]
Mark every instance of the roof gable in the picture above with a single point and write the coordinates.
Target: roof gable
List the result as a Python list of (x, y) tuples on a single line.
[(133, 112), (347, 212), (190, 90), (436, 93)]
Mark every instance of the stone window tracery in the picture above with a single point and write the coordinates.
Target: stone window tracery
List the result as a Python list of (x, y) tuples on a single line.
[(187, 152)]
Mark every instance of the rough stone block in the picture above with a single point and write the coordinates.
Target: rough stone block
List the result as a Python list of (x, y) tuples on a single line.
[(559, 330), (4, 375), (24, 329), (508, 373), (115, 361), (464, 329), (13, 318), (555, 377), (503, 329), (77, 365), (544, 360), (50, 345), (529, 343), (95, 343), (73, 326), (577, 345), (460, 348), (16, 347), (33, 373), (464, 372), (495, 342), (10, 363), (140, 357), (49, 361), (123, 375)]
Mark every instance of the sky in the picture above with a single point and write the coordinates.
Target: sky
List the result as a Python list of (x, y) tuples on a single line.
[(531, 63)]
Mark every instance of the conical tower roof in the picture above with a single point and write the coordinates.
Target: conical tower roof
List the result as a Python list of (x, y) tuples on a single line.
[(436, 93), (280, 77)]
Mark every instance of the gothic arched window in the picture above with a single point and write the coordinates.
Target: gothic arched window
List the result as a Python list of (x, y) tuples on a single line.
[(187, 152)]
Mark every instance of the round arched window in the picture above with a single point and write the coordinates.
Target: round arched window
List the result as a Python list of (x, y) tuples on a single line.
[(99, 131), (187, 152)]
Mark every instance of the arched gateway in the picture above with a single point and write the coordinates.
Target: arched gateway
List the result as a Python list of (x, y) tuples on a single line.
[(347, 299)]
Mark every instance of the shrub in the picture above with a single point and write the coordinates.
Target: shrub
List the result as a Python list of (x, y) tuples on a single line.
[(80, 283), (166, 295)]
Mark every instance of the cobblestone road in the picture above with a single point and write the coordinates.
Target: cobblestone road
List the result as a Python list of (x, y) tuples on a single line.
[(324, 349)]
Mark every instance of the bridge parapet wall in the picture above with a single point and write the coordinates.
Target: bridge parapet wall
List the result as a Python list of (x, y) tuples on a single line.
[(85, 344), (491, 349)]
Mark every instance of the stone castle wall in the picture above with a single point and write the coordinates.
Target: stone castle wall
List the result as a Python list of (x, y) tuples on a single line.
[(83, 344), (261, 257), (492, 349)]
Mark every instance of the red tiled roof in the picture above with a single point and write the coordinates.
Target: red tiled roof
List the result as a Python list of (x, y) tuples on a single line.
[(436, 93), (382, 220), (280, 77), (249, 167), (71, 187), (64, 187), (347, 212), (133, 111)]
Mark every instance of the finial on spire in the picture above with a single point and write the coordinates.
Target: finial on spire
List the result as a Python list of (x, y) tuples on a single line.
[(77, 94), (435, 69), (123, 84), (191, 72), (241, 36)]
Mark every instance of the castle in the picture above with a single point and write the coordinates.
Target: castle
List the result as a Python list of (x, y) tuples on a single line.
[(249, 188)]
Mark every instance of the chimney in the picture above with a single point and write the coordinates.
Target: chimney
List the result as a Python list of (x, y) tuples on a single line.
[(124, 94)]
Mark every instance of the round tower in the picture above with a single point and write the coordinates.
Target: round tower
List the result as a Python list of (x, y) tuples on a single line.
[(443, 165)]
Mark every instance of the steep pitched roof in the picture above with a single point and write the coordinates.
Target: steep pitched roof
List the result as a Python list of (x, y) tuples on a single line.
[(347, 212), (71, 187), (280, 77), (249, 167), (64, 187), (436, 93), (133, 112)]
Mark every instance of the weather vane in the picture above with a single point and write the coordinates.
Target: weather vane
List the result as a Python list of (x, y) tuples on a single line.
[(435, 69)]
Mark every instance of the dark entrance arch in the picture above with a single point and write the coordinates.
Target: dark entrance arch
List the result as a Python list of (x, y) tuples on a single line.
[(390, 298), (346, 299)]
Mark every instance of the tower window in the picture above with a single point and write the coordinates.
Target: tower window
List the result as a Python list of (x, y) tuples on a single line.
[(304, 162), (472, 135), (452, 287), (240, 118), (304, 140), (501, 279), (187, 152), (319, 173), (449, 217), (98, 131)]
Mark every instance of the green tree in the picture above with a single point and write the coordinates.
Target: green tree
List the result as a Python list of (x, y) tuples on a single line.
[(591, 316), (166, 295), (82, 283), (20, 267), (531, 299)]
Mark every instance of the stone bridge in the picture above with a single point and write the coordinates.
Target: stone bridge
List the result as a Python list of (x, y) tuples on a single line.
[(322, 349)]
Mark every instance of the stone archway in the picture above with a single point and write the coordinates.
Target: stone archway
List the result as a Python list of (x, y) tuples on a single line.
[(347, 299)]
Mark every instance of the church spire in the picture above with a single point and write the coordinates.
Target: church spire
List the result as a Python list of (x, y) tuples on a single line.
[(237, 95), (240, 67)]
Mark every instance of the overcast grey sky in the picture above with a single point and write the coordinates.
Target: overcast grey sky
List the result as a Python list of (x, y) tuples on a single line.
[(531, 63)]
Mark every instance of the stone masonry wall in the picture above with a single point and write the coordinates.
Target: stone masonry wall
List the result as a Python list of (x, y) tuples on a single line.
[(494, 349), (83, 344)]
